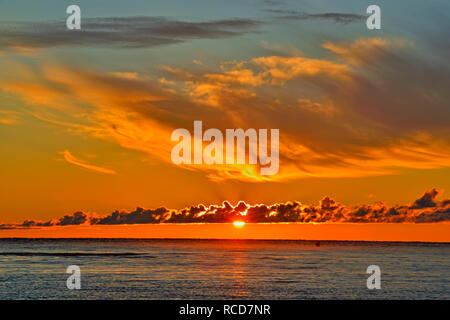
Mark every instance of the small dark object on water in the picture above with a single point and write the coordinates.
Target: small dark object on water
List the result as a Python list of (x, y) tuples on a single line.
[(317, 244)]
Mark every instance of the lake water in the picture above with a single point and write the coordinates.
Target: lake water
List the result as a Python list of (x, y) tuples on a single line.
[(221, 269)]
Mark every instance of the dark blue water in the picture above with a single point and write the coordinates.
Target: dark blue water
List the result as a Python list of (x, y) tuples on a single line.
[(221, 269)]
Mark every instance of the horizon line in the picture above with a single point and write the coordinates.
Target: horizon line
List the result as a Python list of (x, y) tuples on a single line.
[(217, 239)]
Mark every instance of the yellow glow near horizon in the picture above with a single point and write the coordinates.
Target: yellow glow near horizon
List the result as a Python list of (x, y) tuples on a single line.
[(239, 224)]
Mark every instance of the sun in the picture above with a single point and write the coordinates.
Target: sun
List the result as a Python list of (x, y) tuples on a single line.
[(239, 224)]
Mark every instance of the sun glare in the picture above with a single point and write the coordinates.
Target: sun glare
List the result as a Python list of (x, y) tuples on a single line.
[(239, 224)]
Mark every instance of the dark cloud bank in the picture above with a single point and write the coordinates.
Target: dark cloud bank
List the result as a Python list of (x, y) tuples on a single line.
[(426, 209)]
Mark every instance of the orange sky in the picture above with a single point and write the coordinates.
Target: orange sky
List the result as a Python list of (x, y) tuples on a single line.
[(426, 232), (86, 118)]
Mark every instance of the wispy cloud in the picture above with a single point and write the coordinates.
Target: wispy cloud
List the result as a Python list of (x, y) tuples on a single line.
[(339, 17), (368, 107), (122, 32), (81, 163), (9, 117)]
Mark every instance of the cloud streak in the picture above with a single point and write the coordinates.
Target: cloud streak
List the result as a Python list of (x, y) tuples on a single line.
[(338, 17), (426, 209), (81, 163), (9, 117), (120, 32)]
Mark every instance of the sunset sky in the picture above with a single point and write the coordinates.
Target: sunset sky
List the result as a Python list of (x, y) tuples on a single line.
[(86, 115)]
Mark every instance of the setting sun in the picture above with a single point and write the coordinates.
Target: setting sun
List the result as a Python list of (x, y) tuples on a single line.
[(239, 224)]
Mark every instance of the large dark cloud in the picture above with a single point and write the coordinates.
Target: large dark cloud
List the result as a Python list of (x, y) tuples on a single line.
[(426, 200), (74, 219), (426, 209), (139, 216), (123, 32)]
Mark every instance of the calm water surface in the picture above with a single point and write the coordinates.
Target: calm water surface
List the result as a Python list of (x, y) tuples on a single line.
[(221, 269)]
